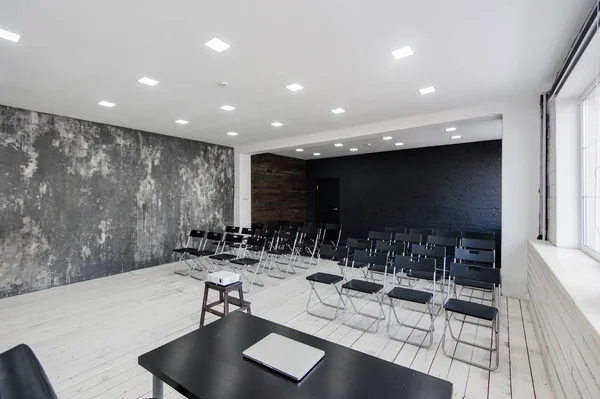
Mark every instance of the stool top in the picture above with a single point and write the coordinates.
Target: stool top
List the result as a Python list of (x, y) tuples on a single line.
[(217, 286)]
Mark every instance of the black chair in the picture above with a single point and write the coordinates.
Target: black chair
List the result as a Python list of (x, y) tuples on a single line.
[(378, 264), (395, 229), (297, 225), (194, 243), (332, 234), (284, 246), (282, 223), (364, 287), (473, 243), (485, 275), (408, 240), (22, 376), (308, 243), (442, 232), (329, 252), (231, 242), (247, 231), (449, 242), (414, 266), (257, 226), (232, 229), (375, 236), (211, 246), (479, 235), (272, 225), (252, 256), (354, 244)]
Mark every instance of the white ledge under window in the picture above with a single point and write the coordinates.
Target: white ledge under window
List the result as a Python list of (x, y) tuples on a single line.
[(564, 290)]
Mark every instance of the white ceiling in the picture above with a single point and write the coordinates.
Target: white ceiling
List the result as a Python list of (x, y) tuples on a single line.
[(480, 129), (75, 53)]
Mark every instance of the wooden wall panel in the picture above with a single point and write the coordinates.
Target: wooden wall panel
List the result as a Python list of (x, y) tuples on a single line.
[(278, 188)]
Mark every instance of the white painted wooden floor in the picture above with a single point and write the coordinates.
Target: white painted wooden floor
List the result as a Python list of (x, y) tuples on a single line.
[(88, 335)]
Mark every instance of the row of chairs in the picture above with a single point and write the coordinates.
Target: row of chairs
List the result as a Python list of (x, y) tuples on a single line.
[(469, 268)]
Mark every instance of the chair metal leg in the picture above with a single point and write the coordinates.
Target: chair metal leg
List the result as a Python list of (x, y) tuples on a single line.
[(378, 318), (337, 307), (428, 331)]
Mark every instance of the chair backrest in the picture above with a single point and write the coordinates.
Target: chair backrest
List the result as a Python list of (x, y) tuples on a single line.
[(475, 255), (197, 233), (272, 225), (395, 229), (281, 223), (332, 252), (232, 229), (314, 225), (404, 237), (309, 233), (479, 235), (247, 231), (473, 243), (256, 243), (372, 258), (380, 236), (264, 233), (415, 264), (475, 272), (428, 251), (358, 244), (212, 236), (443, 241), (234, 238), (391, 247), (22, 375), (441, 232), (332, 232), (297, 224), (257, 226), (421, 231)]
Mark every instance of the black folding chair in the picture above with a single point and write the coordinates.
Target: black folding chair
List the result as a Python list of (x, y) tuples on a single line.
[(421, 231), (284, 246), (331, 253), (415, 266), (249, 261), (376, 236), (479, 235), (308, 244), (450, 242), (354, 244), (391, 249), (393, 229), (332, 234), (229, 251), (473, 243), (194, 243), (368, 288), (232, 229), (408, 240), (486, 275), (212, 245)]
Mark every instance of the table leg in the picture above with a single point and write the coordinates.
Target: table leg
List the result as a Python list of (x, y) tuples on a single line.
[(157, 388)]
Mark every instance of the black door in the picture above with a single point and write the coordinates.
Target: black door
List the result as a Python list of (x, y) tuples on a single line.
[(328, 200)]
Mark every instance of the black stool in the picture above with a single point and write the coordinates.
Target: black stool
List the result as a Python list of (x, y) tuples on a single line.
[(224, 299)]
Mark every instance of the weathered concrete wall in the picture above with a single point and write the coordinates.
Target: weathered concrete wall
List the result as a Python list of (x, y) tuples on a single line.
[(81, 200)]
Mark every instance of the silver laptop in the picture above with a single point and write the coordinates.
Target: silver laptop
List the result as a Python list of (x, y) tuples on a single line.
[(291, 358)]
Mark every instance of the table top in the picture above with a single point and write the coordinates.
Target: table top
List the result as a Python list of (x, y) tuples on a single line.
[(208, 364)]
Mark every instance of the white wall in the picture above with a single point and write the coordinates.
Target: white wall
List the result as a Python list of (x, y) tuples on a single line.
[(243, 190), (520, 172)]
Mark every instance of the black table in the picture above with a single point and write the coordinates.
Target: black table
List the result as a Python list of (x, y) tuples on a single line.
[(208, 364)]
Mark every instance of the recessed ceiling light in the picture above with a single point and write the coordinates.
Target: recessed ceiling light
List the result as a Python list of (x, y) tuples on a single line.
[(217, 44), (106, 104), (402, 52), (387, 137), (148, 81), (316, 154), (399, 144), (338, 145), (227, 108), (450, 129), (353, 149), (427, 90), (13, 37), (455, 137), (294, 87), (232, 134), (338, 111), (182, 122), (277, 124), (299, 149)]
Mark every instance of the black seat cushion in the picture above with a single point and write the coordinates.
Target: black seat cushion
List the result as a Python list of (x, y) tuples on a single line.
[(223, 257), (424, 275), (201, 253), (474, 283), (363, 286), (285, 251), (471, 309), (22, 375), (409, 295), (245, 261), (325, 278), (184, 250)]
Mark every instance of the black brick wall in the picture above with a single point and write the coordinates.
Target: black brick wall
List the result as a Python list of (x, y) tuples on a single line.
[(455, 186)]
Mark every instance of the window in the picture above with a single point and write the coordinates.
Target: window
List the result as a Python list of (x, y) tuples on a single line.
[(590, 114)]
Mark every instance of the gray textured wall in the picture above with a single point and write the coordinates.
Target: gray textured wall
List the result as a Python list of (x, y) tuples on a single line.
[(81, 200)]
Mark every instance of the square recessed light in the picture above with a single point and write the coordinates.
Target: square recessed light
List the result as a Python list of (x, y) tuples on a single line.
[(338, 145), (316, 154), (182, 122), (402, 52), (277, 124), (232, 133), (217, 44), (427, 90), (13, 37), (455, 137), (399, 144), (388, 138), (299, 149), (106, 104), (227, 108), (450, 129), (294, 87), (353, 149), (338, 111), (148, 81)]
